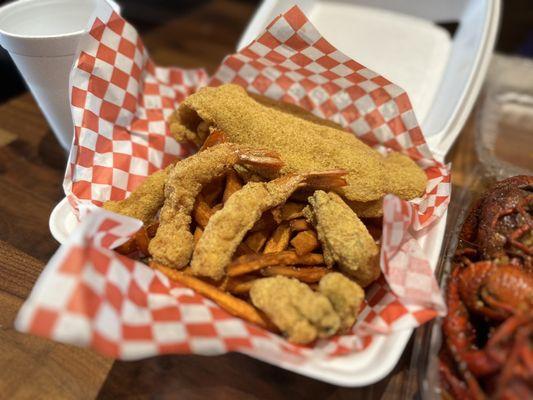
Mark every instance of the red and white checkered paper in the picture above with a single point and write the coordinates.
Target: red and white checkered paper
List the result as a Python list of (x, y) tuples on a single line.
[(91, 296)]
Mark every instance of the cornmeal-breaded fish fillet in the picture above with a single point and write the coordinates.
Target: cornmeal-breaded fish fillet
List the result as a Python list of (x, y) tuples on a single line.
[(345, 295), (145, 201), (403, 177), (367, 209), (293, 109), (304, 145), (344, 238), (301, 314)]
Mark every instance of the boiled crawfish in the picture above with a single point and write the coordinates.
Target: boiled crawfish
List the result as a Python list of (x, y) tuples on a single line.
[(496, 291), (489, 328), (500, 226)]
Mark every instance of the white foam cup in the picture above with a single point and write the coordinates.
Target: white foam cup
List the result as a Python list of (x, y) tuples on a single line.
[(41, 37)]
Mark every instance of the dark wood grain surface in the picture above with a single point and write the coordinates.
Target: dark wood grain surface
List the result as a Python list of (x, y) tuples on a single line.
[(31, 174)]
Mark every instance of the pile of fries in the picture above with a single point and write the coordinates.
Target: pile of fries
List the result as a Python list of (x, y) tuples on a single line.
[(281, 243)]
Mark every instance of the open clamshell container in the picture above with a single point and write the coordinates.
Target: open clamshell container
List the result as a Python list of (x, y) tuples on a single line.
[(504, 139), (405, 41), (442, 73)]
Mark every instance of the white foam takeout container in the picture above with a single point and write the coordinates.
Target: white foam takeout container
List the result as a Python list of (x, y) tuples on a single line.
[(400, 39)]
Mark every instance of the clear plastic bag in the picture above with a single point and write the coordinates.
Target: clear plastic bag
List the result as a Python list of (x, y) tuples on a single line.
[(504, 145)]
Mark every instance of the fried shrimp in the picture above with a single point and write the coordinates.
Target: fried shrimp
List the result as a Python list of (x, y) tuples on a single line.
[(173, 243), (301, 314), (145, 201), (345, 295), (244, 208), (344, 238)]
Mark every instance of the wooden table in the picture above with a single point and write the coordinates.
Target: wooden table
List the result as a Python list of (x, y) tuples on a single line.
[(31, 174)]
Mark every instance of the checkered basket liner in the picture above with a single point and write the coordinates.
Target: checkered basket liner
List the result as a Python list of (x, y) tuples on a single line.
[(91, 296)]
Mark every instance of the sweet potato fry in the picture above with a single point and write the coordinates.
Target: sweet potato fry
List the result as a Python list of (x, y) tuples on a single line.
[(222, 284), (233, 183), (240, 286), (279, 240), (288, 211), (305, 242), (303, 274), (197, 234), (374, 226), (142, 240), (266, 223), (299, 225), (152, 229), (128, 247), (217, 207), (243, 250), (213, 190), (202, 212), (254, 262), (256, 240), (231, 304), (139, 241)]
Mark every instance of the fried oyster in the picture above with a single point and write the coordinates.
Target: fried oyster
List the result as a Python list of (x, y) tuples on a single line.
[(345, 239), (301, 314), (345, 295), (304, 315)]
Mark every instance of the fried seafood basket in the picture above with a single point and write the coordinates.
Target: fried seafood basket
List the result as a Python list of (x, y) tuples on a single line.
[(504, 139), (440, 69)]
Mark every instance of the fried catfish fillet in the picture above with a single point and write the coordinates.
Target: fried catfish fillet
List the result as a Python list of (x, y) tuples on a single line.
[(301, 314), (344, 238), (304, 144), (367, 209), (403, 177)]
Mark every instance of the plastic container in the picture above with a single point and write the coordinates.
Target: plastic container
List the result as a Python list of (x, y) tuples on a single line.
[(504, 119), (423, 376), (443, 89)]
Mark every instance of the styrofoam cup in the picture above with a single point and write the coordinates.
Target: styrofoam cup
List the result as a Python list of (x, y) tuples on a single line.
[(41, 37)]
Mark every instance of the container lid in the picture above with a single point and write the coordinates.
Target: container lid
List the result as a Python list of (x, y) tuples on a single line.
[(505, 118), (403, 42)]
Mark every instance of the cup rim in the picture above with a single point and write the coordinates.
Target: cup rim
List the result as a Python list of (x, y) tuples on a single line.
[(15, 3)]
